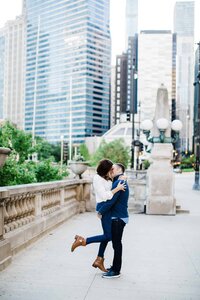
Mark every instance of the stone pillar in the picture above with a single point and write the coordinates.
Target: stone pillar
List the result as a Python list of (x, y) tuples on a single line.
[(5, 248), (62, 197), (160, 182), (38, 205), (79, 197)]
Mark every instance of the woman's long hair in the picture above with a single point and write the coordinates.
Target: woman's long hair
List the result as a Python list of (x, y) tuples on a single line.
[(104, 166)]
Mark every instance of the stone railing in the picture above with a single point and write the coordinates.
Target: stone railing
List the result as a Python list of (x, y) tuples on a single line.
[(29, 211)]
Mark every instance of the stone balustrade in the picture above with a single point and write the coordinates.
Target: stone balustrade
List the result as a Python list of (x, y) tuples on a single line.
[(29, 211)]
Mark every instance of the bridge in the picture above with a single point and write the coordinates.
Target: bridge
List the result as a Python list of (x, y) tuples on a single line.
[(161, 257)]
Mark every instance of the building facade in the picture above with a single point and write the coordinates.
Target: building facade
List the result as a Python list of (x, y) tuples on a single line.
[(67, 68), (156, 66), (120, 86), (13, 59), (184, 29), (2, 54)]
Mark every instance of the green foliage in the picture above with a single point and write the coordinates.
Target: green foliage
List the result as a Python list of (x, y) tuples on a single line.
[(16, 139), (115, 151), (84, 152), (17, 170), (46, 150), (146, 164), (46, 171), (188, 162), (14, 172)]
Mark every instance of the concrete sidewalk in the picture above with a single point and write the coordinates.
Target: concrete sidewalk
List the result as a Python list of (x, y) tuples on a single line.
[(161, 259)]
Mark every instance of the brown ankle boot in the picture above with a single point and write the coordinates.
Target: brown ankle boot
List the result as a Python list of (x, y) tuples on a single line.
[(98, 263), (79, 241)]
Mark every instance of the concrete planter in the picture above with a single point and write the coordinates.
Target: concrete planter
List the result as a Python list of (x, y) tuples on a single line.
[(78, 167), (4, 152)]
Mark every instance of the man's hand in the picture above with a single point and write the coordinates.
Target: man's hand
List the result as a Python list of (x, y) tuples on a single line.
[(99, 215)]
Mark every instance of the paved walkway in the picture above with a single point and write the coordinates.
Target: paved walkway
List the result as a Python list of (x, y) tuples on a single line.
[(161, 259)]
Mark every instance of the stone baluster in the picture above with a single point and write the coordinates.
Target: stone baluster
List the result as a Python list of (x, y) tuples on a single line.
[(1, 221), (62, 196), (6, 217)]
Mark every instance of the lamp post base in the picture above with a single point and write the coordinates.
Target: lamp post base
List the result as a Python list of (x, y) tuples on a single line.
[(196, 185), (160, 196)]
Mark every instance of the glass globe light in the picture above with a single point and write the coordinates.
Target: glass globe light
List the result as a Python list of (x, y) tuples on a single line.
[(162, 124), (177, 125), (147, 125)]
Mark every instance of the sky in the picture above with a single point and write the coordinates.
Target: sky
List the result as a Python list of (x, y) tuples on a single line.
[(153, 14)]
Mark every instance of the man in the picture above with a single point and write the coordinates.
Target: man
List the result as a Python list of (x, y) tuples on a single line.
[(119, 214)]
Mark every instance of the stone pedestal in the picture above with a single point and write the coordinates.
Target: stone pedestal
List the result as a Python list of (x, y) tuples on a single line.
[(160, 182), (4, 152)]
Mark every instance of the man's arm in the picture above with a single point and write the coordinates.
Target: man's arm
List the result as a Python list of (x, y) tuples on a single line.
[(109, 203)]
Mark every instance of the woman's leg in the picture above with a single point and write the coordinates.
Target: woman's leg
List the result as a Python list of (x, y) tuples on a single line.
[(106, 236)]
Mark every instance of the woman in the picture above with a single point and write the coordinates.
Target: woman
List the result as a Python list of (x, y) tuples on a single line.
[(102, 185)]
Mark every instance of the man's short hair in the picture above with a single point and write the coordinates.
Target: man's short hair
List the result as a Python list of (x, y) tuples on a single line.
[(121, 166)]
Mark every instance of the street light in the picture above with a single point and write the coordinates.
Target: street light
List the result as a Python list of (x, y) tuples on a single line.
[(162, 125)]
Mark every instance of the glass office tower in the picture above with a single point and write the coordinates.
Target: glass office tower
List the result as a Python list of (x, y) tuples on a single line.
[(67, 68)]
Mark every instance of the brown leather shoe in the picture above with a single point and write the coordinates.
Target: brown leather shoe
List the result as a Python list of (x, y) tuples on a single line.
[(98, 263), (79, 241)]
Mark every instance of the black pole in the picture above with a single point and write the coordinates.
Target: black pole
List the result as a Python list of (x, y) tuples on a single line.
[(132, 144)]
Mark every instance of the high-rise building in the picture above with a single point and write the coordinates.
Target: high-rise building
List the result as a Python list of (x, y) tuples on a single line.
[(2, 53), (156, 66), (132, 66), (112, 96), (120, 86), (131, 19), (126, 67), (12, 60), (184, 29), (67, 68)]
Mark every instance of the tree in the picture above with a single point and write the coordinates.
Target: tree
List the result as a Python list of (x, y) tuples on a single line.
[(17, 140), (19, 170), (84, 151), (115, 151)]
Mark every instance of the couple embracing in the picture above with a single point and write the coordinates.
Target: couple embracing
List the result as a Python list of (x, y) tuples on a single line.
[(112, 192)]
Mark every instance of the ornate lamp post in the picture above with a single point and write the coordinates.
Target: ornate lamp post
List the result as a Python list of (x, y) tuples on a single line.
[(160, 193), (162, 125)]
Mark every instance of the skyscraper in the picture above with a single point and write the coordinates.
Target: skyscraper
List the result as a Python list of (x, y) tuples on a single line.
[(126, 67), (121, 86), (67, 68), (156, 59), (131, 19), (13, 71), (184, 29)]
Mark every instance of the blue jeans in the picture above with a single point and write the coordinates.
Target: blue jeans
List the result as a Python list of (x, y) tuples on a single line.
[(104, 238)]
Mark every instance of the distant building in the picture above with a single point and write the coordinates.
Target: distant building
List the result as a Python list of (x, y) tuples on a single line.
[(67, 41), (156, 66), (2, 54), (184, 29), (126, 68), (12, 74), (112, 96), (131, 19), (121, 86)]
